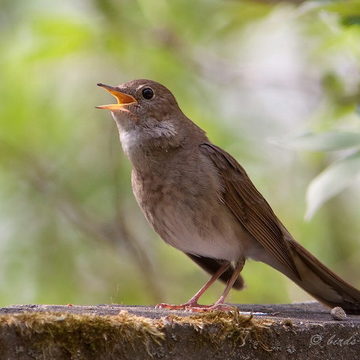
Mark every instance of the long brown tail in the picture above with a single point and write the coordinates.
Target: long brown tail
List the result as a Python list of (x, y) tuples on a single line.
[(322, 283)]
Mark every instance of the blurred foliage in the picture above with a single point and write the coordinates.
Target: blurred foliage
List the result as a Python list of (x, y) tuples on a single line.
[(246, 71), (338, 175)]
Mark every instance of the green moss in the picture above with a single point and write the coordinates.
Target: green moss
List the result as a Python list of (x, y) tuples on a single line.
[(86, 334), (90, 336), (217, 326)]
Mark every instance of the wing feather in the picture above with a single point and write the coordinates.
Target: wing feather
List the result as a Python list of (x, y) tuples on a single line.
[(249, 207)]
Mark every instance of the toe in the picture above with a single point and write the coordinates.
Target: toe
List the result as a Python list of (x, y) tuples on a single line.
[(169, 306)]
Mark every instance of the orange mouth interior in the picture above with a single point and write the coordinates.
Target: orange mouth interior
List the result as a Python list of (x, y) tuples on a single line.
[(122, 99)]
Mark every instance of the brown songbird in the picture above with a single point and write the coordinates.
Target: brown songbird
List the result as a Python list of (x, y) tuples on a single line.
[(201, 201)]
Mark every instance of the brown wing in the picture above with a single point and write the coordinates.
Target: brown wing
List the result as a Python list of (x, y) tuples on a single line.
[(212, 266), (249, 206)]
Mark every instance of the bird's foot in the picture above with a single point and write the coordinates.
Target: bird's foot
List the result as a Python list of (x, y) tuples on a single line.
[(186, 306), (219, 307), (195, 307), (170, 306)]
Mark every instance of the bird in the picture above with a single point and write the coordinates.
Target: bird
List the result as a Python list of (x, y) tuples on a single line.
[(201, 201)]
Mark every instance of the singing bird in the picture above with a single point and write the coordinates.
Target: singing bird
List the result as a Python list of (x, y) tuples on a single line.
[(200, 200)]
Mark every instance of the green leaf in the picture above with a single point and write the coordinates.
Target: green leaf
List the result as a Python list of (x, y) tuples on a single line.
[(331, 182), (328, 141)]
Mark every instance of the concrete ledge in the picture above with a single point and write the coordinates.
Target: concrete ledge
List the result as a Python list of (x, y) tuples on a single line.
[(297, 331)]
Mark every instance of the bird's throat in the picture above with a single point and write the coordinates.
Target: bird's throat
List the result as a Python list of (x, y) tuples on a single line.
[(144, 149)]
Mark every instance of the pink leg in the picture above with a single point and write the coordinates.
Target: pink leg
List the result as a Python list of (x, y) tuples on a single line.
[(219, 305), (193, 302)]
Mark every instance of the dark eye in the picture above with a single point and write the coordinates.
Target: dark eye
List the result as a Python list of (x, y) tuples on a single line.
[(147, 93)]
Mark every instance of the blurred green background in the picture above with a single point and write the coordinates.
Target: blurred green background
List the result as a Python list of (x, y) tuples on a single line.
[(274, 83)]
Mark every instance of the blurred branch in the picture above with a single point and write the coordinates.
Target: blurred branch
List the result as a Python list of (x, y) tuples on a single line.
[(44, 181)]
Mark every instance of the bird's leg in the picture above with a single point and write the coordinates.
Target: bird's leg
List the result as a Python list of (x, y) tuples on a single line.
[(219, 304), (193, 302)]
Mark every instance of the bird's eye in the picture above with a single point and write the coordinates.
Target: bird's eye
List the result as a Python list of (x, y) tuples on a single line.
[(147, 93)]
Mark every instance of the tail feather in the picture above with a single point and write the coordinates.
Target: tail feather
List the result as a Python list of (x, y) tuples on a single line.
[(322, 283)]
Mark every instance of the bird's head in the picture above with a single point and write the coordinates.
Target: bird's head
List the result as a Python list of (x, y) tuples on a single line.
[(147, 115), (142, 103)]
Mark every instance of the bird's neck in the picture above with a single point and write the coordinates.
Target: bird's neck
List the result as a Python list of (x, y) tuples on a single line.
[(148, 148)]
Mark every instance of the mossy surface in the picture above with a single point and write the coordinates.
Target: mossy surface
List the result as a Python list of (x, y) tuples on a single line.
[(80, 336), (109, 332), (216, 327), (75, 336)]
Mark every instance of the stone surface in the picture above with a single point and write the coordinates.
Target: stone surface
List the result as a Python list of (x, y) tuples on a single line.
[(296, 331)]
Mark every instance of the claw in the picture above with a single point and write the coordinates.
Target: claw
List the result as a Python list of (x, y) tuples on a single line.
[(189, 306), (220, 307), (195, 307), (170, 306)]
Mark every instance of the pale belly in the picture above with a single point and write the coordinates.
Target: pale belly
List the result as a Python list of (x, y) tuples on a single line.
[(215, 235), (185, 209)]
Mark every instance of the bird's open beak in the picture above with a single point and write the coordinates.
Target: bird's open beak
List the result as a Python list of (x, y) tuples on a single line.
[(122, 99)]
